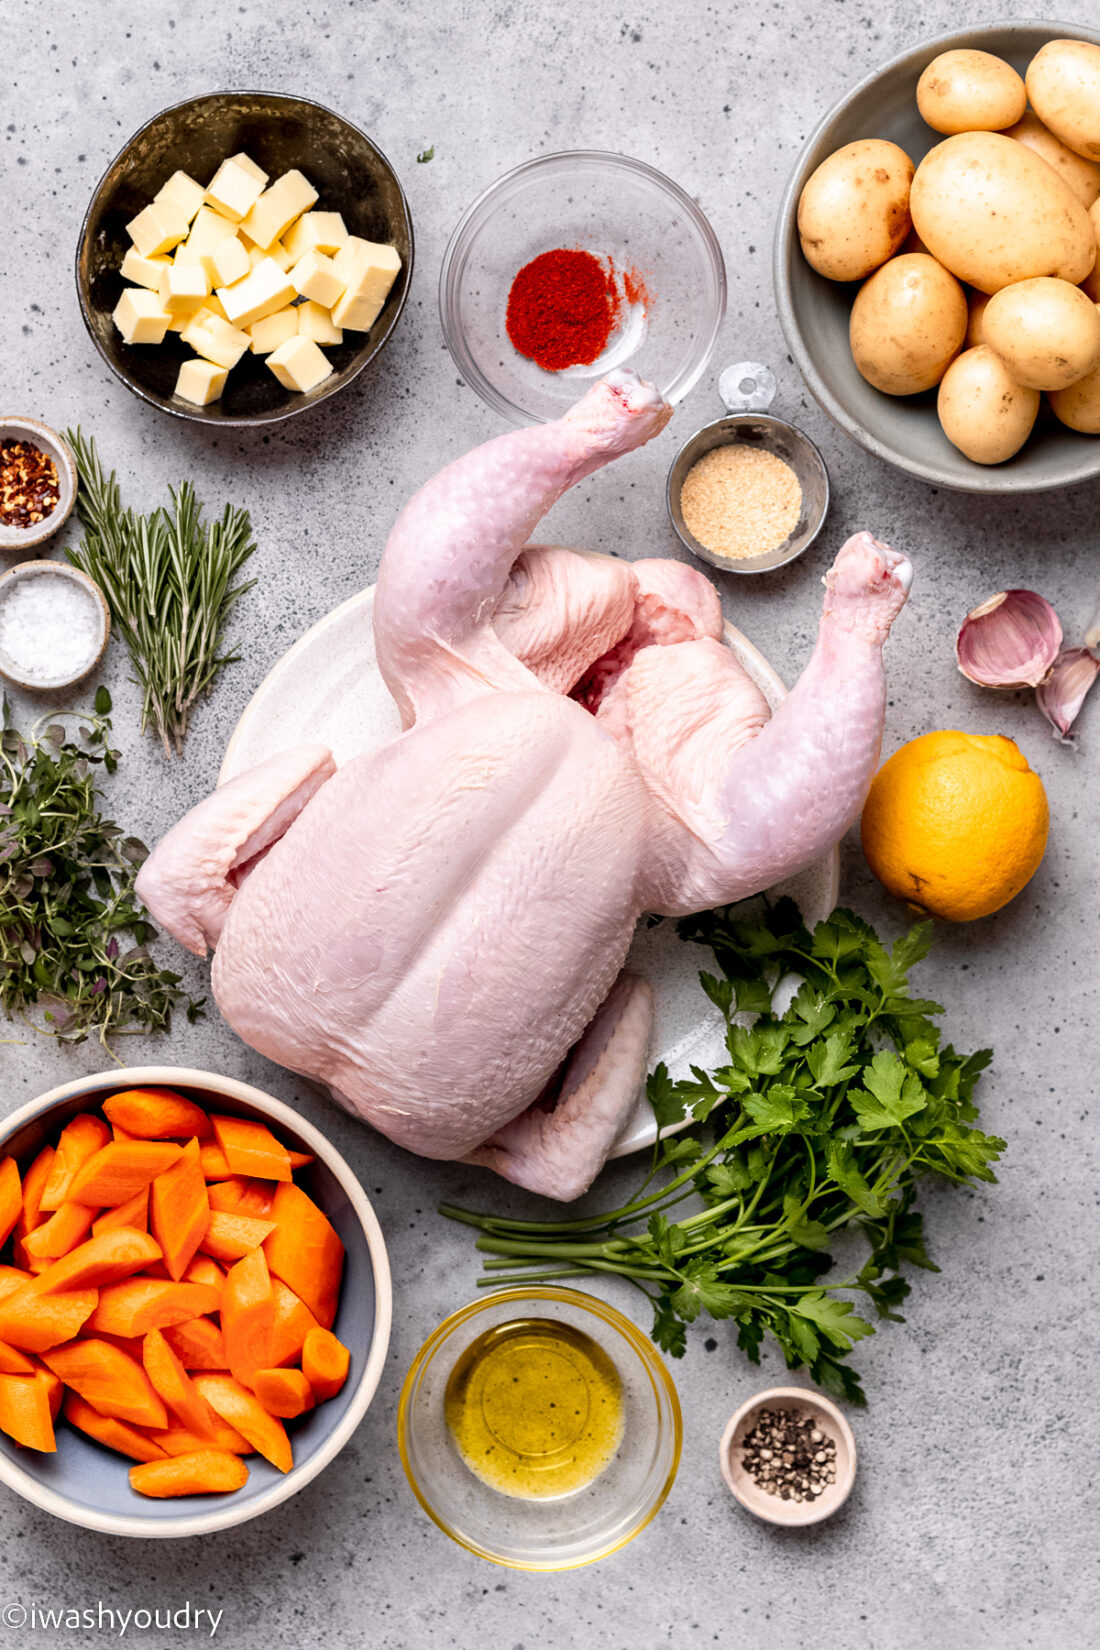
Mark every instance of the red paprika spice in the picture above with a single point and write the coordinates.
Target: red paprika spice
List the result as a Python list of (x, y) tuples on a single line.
[(562, 308)]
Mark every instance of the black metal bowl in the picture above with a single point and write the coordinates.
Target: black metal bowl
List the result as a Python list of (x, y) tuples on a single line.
[(351, 176)]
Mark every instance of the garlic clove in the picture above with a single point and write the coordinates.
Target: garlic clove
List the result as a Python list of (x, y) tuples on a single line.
[(1061, 696), (1010, 641)]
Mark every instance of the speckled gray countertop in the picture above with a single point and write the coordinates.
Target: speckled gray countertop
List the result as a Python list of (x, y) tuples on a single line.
[(973, 1522)]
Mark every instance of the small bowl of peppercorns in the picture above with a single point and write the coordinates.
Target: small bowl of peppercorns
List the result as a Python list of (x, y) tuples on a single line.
[(37, 483), (788, 1455)]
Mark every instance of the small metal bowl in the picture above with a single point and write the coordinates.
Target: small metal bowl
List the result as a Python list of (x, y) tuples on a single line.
[(58, 570), (772, 1508), (15, 540), (775, 435)]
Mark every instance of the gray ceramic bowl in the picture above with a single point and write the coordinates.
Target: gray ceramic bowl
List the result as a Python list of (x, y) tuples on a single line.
[(814, 312), (351, 176), (87, 1483), (15, 541)]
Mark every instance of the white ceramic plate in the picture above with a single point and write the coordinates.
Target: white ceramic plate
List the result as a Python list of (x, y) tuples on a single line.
[(327, 688)]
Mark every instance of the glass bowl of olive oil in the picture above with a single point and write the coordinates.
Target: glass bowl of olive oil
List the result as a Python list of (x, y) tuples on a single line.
[(539, 1428)]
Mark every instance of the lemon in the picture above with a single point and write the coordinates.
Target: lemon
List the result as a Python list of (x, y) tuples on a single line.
[(956, 823)]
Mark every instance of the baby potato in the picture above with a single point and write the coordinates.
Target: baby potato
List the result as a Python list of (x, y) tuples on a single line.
[(908, 320), (970, 91), (992, 212), (1079, 406), (853, 213), (975, 303), (1063, 83), (1080, 176), (1045, 331), (983, 411), (1090, 286)]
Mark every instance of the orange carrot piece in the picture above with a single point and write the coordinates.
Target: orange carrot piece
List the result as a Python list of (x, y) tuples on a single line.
[(102, 1260), (156, 1114), (197, 1343), (172, 1383), (133, 1213), (109, 1430), (292, 1322), (248, 1314), (25, 1412), (204, 1270), (283, 1392), (305, 1252), (231, 1237), (325, 1363), (67, 1227), (34, 1322), (242, 1196), (243, 1410), (137, 1305), (34, 1184), (179, 1211), (251, 1149), (214, 1165), (11, 1198), (178, 1441), (13, 1278), (79, 1140), (206, 1472), (14, 1362), (108, 1379), (299, 1160), (120, 1169), (55, 1389)]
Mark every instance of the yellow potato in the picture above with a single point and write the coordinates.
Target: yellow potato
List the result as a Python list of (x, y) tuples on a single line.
[(1080, 176), (908, 320), (993, 212), (1063, 83), (983, 411), (853, 213), (1090, 286), (975, 303), (1079, 406), (970, 91), (1046, 332)]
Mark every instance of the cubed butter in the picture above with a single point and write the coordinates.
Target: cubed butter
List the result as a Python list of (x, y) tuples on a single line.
[(262, 291), (273, 330), (249, 165), (315, 232), (143, 271), (369, 269), (214, 305), (214, 339), (208, 231), (200, 382), (158, 228), (317, 277), (299, 364), (286, 199), (140, 316), (183, 288), (182, 192), (233, 190), (314, 321), (229, 262)]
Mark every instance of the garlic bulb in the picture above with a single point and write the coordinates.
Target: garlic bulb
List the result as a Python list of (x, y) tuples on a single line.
[(1010, 641), (1061, 696)]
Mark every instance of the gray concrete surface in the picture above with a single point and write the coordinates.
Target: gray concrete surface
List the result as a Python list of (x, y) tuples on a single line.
[(973, 1523)]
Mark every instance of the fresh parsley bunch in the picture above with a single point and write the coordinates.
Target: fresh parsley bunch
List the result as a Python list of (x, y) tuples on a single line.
[(824, 1119)]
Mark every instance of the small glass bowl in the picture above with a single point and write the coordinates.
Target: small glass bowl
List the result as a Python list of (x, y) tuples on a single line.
[(570, 1530), (609, 205)]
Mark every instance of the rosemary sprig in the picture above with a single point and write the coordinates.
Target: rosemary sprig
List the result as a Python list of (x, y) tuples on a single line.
[(169, 582)]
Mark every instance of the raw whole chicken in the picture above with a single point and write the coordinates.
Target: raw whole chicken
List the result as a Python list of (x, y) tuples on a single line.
[(436, 931)]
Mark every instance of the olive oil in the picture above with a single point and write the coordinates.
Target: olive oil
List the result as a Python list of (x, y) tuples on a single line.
[(535, 1408)]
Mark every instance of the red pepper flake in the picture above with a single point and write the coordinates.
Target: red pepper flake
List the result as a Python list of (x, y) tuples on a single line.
[(29, 490)]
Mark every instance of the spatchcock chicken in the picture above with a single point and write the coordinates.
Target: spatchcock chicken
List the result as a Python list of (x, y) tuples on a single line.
[(437, 929)]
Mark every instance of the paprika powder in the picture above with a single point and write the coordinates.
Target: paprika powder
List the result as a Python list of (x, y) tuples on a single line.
[(562, 308)]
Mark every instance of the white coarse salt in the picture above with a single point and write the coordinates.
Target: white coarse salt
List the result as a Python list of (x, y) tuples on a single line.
[(51, 629)]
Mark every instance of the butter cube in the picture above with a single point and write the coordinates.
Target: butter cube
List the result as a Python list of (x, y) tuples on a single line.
[(200, 382), (315, 232), (214, 305), (299, 364), (176, 323), (277, 208), (262, 291), (183, 288), (182, 192), (369, 269), (273, 330), (314, 321), (214, 339), (229, 262), (248, 165), (233, 190), (140, 316), (143, 271), (159, 228), (317, 277), (208, 231)]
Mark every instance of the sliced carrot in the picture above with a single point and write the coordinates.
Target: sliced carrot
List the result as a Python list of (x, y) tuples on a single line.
[(121, 1134), (109, 1430), (156, 1114), (214, 1165), (204, 1270), (179, 1212), (79, 1140), (14, 1362), (66, 1228), (133, 1213), (11, 1198), (109, 1380), (34, 1322), (206, 1472), (250, 1148), (55, 1389), (230, 1237), (172, 1382), (325, 1363), (283, 1392), (305, 1252), (137, 1305), (242, 1196), (243, 1410), (178, 1441), (25, 1412), (197, 1343), (248, 1315), (120, 1169), (299, 1160), (292, 1322), (102, 1260), (34, 1184), (13, 1278)]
